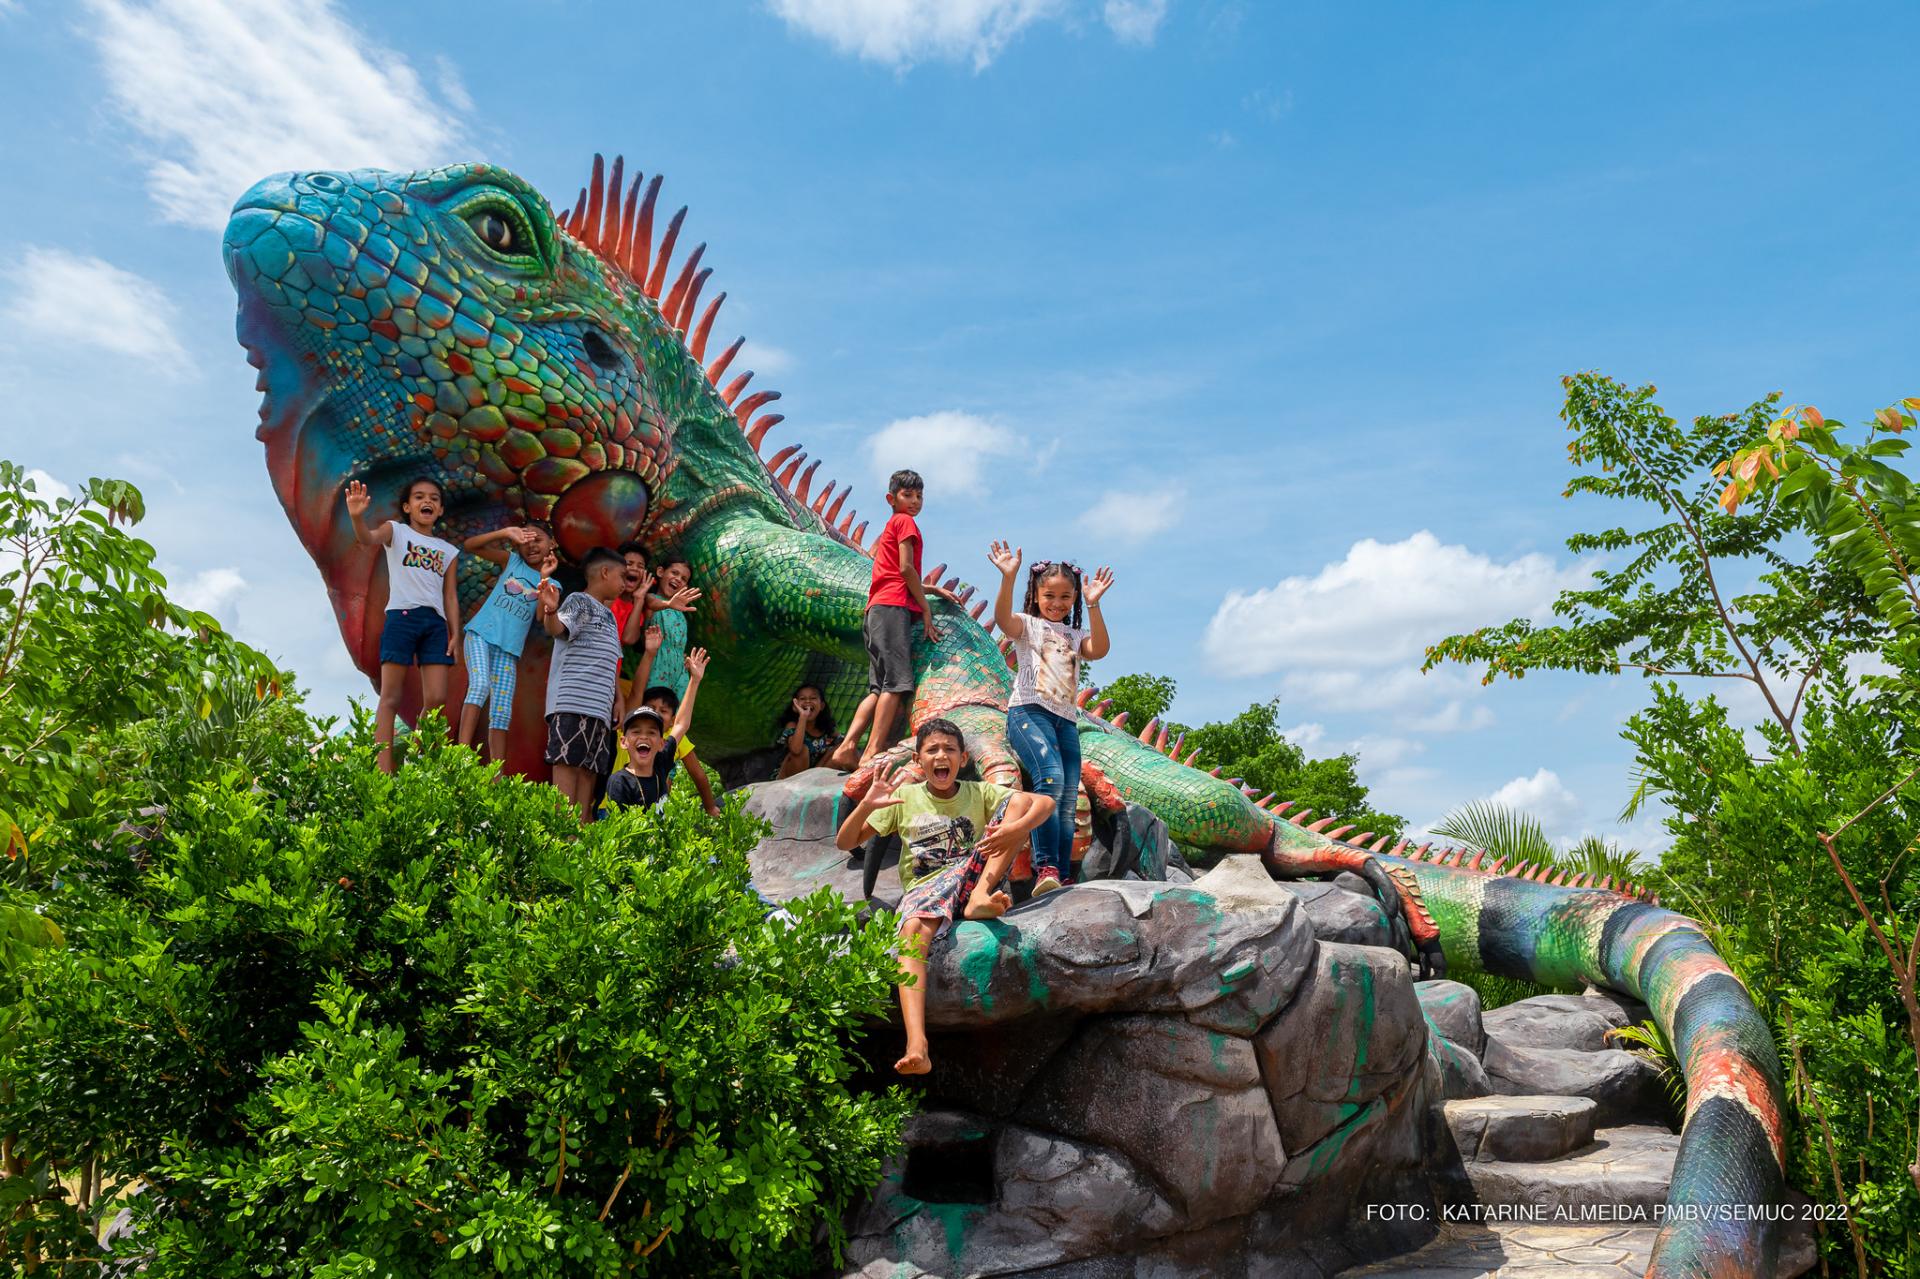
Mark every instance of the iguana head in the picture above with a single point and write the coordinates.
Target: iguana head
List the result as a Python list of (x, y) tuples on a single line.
[(446, 323)]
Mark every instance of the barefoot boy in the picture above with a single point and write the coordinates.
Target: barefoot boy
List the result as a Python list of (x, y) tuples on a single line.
[(959, 839), (896, 602)]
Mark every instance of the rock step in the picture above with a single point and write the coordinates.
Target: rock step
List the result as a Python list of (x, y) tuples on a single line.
[(1624, 1170), (1520, 1129), (1501, 1250)]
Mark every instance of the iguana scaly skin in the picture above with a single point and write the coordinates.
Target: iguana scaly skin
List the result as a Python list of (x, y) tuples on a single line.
[(447, 323)]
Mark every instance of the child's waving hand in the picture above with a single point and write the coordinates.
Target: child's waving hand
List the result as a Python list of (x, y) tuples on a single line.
[(684, 599), (697, 662), (880, 793), (652, 640), (1004, 557), (1097, 585), (357, 498)]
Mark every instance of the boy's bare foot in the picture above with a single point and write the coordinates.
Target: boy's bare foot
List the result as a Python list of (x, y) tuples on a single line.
[(989, 907), (845, 756), (915, 1062)]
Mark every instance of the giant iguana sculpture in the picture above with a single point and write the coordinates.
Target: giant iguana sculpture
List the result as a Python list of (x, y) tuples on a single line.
[(448, 323)]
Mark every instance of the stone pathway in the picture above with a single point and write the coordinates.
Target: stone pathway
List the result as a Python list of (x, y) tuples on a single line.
[(1521, 1252)]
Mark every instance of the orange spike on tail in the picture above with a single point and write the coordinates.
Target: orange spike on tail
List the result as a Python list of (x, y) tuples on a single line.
[(1120, 720), (786, 477), (820, 502), (1300, 818), (978, 609), (1339, 831), (1084, 696), (773, 463), (736, 386), (1282, 807), (833, 512)]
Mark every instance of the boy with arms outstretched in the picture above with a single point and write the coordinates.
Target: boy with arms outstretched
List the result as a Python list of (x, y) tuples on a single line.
[(958, 840)]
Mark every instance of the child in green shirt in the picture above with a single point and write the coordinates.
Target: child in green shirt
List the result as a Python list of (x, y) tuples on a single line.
[(958, 840)]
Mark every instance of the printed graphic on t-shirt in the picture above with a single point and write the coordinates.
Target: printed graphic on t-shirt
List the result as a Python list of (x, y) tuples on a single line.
[(933, 841), (420, 555), (1053, 673)]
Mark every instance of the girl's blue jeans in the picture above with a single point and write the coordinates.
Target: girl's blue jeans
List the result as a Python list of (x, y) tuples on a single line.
[(1048, 747)]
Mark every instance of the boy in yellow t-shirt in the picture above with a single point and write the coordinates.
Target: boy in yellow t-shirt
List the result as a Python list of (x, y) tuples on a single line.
[(957, 841), (667, 702)]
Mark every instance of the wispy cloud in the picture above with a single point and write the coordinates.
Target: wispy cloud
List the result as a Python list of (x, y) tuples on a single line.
[(1270, 105), (763, 358), (226, 92), (214, 590), (1134, 21), (1132, 518), (901, 33), (53, 296), (952, 451)]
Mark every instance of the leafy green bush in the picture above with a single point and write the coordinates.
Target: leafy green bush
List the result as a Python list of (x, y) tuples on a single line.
[(346, 1024), (304, 1019)]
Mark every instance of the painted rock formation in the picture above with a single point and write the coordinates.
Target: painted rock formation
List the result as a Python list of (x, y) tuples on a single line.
[(1226, 1077)]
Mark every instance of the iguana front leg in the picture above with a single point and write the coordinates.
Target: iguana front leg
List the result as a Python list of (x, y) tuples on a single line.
[(803, 591)]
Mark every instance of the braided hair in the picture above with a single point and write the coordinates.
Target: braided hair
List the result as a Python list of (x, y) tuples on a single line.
[(1047, 570)]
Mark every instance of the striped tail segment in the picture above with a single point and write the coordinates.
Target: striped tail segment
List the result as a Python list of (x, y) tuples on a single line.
[(1728, 1180)]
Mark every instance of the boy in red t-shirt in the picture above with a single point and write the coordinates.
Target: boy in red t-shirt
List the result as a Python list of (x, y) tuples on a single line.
[(896, 600)]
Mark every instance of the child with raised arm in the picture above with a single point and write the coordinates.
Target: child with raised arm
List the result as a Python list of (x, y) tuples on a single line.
[(959, 841), (498, 632), (583, 687), (667, 702), (1043, 723), (667, 608), (652, 747), (423, 604)]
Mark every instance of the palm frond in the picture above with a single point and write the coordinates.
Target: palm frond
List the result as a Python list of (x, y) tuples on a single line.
[(1649, 1043), (1602, 857), (1499, 829)]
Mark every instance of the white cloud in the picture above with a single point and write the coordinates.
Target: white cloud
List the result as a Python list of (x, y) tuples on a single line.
[(1384, 752), (899, 33), (1454, 717), (765, 360), (53, 296), (952, 451), (1134, 21), (1545, 797), (212, 590), (1305, 736), (227, 92), (1378, 607), (1132, 518), (1268, 105), (46, 488)]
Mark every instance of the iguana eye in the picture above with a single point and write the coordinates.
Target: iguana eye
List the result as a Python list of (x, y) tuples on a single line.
[(501, 225), (494, 231)]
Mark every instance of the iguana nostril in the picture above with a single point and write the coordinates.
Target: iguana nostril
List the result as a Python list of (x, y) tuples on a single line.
[(606, 509), (325, 182)]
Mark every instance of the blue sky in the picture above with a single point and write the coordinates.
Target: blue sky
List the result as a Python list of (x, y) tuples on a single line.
[(1265, 304)]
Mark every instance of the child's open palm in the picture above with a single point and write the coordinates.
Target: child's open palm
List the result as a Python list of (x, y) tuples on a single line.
[(880, 794), (684, 599), (697, 663), (652, 640), (1004, 557), (548, 593), (358, 500), (1097, 584)]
